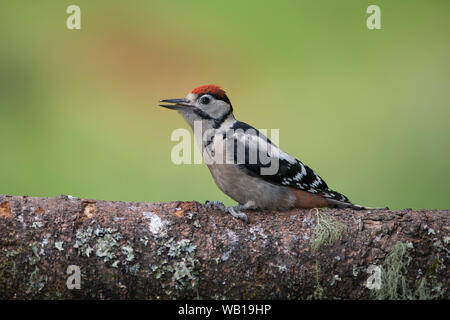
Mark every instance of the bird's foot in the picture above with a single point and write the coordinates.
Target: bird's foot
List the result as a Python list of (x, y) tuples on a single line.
[(239, 214), (235, 211)]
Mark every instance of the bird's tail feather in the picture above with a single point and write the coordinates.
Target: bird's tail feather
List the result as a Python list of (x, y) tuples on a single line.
[(341, 205)]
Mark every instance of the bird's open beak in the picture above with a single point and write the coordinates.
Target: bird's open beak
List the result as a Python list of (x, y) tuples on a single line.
[(176, 104)]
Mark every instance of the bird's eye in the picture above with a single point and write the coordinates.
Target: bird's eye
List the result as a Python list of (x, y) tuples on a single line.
[(204, 100)]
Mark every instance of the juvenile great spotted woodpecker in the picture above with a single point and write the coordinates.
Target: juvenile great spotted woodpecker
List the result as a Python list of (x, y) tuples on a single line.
[(234, 152)]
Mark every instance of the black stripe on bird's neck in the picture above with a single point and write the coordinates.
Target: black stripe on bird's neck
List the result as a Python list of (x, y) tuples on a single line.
[(217, 121), (202, 114)]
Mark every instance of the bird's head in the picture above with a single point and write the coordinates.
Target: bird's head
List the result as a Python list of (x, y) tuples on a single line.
[(207, 103)]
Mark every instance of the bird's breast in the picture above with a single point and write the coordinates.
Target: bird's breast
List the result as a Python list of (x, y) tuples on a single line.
[(243, 187)]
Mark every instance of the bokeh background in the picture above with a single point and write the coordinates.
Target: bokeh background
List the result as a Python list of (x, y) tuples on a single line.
[(367, 109)]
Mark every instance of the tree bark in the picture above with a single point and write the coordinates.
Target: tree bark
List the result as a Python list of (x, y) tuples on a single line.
[(188, 250)]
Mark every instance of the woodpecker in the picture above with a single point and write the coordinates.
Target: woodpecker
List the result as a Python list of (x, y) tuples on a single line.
[(234, 152)]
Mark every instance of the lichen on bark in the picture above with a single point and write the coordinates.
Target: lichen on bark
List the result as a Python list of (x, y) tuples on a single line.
[(186, 250)]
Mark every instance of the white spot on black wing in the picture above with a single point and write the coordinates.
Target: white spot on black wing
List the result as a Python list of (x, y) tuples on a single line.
[(291, 172)]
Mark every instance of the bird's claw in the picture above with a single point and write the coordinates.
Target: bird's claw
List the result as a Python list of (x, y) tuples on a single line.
[(234, 211), (238, 214)]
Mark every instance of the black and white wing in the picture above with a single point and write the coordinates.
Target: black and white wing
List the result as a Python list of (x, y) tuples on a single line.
[(291, 172)]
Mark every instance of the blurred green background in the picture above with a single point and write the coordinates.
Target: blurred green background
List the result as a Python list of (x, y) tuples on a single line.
[(367, 109)]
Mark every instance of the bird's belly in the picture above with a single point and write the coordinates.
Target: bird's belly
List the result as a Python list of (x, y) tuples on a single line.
[(243, 188)]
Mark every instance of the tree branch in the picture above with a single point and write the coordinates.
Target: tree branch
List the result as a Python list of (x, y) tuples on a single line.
[(188, 250)]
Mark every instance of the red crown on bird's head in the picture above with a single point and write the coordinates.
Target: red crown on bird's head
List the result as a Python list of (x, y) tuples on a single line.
[(210, 89)]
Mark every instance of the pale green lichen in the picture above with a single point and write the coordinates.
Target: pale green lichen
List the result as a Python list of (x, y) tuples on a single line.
[(176, 248), (422, 291), (184, 269), (336, 278), (281, 268), (447, 240), (37, 224), (59, 245), (144, 240), (394, 284), (99, 232), (134, 269), (318, 291), (34, 258), (327, 231), (191, 215), (36, 282), (355, 270), (115, 264), (128, 251), (157, 226), (153, 268), (429, 230), (181, 265), (83, 237), (197, 224), (11, 253), (178, 269), (105, 247), (8, 272), (434, 267)]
